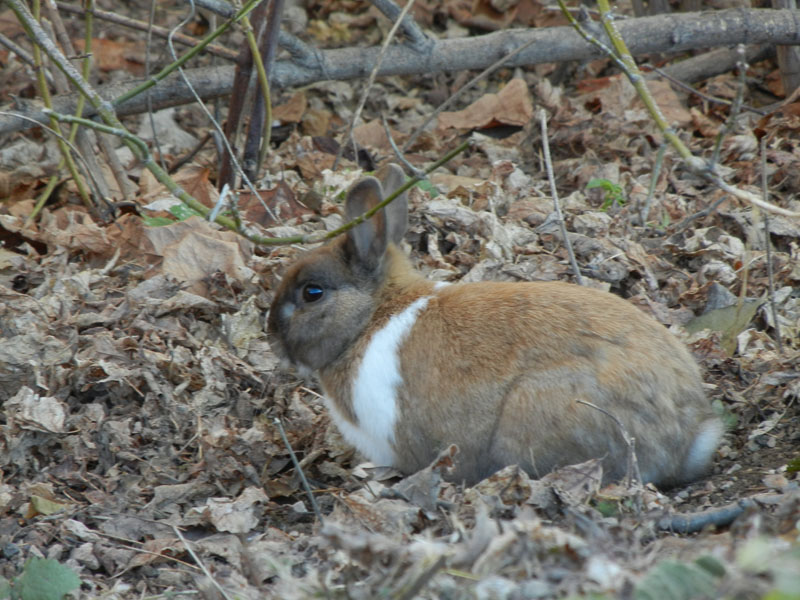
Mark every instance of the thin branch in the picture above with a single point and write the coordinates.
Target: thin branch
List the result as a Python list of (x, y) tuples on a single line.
[(300, 472), (664, 33), (316, 237), (200, 564), (176, 65), (623, 57), (410, 27), (371, 81), (54, 180), (645, 212), (703, 95), (768, 243), (464, 88), (162, 32), (736, 106), (224, 139), (554, 193), (633, 475), (397, 152)]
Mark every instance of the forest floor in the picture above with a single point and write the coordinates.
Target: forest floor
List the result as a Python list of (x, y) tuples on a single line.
[(138, 438)]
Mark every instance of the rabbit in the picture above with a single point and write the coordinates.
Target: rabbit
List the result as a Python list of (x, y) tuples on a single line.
[(409, 366)]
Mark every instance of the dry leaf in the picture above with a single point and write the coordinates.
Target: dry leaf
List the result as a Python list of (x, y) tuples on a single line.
[(511, 106)]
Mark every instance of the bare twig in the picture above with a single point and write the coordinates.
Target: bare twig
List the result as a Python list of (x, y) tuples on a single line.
[(733, 114), (675, 33), (84, 138), (200, 564), (162, 32), (125, 185), (704, 96), (300, 472), (709, 64), (260, 128), (651, 190), (151, 17), (768, 243), (223, 138), (410, 27), (182, 160), (397, 152), (457, 94), (46, 194), (633, 476), (718, 516), (554, 193), (42, 42), (371, 81), (699, 215), (623, 57)]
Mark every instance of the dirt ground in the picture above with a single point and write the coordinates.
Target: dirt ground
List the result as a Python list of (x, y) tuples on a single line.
[(143, 412)]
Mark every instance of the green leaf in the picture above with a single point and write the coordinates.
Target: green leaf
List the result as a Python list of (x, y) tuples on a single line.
[(44, 506), (671, 580), (183, 212), (5, 589), (712, 565), (157, 221), (607, 508), (46, 579), (730, 321), (603, 183), (613, 192), (426, 186)]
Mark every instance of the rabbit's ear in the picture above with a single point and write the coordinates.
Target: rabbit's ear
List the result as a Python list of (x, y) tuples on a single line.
[(367, 241), (392, 177)]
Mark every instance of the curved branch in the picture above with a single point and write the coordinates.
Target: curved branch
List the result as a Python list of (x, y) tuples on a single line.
[(662, 33)]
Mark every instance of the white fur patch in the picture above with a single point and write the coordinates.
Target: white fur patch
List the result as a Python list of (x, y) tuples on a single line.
[(287, 310), (375, 390), (703, 446)]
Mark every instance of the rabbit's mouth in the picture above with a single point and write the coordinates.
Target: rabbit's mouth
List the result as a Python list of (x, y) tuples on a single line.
[(285, 360)]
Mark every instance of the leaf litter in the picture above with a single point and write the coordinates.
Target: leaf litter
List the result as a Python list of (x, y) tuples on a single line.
[(139, 392)]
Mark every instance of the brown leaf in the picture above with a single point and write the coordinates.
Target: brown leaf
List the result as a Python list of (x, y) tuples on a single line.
[(513, 105), (292, 110), (113, 55)]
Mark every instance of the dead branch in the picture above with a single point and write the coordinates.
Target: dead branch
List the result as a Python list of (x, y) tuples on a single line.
[(718, 516), (662, 33)]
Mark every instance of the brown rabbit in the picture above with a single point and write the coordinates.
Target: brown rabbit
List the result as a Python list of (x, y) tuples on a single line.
[(409, 366)]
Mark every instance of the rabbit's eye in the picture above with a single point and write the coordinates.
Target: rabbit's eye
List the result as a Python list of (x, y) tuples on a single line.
[(312, 292)]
